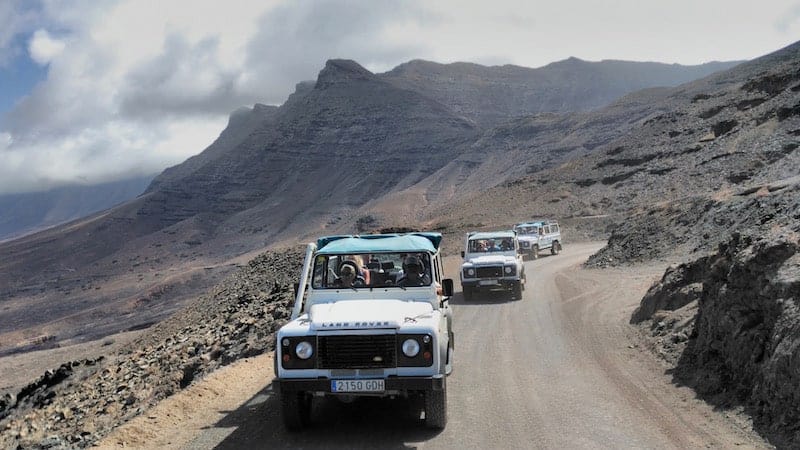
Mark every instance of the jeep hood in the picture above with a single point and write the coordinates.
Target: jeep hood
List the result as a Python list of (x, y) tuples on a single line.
[(490, 260), (363, 314)]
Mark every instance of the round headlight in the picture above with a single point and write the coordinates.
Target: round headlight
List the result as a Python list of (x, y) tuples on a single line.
[(410, 348), (471, 272), (508, 269), (304, 350)]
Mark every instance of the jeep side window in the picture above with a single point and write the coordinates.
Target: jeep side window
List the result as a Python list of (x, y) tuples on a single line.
[(320, 272), (476, 246)]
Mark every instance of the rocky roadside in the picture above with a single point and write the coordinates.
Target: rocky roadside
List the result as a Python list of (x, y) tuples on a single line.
[(726, 317), (76, 404), (729, 325)]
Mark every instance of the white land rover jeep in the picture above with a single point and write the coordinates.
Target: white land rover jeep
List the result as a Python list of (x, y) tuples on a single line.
[(492, 262), (371, 318), (538, 235)]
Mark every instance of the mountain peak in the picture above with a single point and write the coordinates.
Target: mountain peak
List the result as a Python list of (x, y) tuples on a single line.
[(569, 63), (341, 70)]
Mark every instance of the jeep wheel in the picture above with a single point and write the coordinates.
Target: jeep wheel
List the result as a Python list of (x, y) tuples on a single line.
[(535, 252), (436, 407), (518, 290), (467, 293), (555, 248), (296, 409)]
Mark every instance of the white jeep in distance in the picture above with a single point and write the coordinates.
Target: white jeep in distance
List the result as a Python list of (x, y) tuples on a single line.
[(492, 262), (537, 236), (371, 318)]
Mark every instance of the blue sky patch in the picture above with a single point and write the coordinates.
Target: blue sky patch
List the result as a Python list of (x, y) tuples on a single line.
[(17, 79)]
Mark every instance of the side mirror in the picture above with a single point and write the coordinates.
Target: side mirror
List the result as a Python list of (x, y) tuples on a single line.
[(447, 287), (462, 253)]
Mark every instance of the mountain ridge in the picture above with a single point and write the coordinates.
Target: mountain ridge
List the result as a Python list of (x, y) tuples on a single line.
[(361, 140)]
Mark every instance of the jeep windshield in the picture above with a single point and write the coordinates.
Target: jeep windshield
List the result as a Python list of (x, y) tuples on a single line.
[(370, 270), (527, 230), (491, 245)]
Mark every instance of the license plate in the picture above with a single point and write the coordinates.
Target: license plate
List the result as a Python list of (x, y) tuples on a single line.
[(357, 386), (487, 282)]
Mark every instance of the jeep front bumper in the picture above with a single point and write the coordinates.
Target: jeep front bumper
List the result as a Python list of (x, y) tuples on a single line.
[(488, 285)]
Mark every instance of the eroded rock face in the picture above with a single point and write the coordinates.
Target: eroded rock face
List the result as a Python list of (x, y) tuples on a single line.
[(678, 287), (745, 345), (748, 330)]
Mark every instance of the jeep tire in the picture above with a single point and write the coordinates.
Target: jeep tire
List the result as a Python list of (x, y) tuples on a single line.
[(436, 407), (535, 252), (555, 248), (467, 291), (296, 409), (517, 290)]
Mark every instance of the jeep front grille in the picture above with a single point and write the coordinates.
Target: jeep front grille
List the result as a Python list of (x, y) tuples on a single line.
[(490, 272), (524, 244), (357, 352)]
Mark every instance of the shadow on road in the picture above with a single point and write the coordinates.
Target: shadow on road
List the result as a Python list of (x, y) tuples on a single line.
[(484, 298), (363, 423)]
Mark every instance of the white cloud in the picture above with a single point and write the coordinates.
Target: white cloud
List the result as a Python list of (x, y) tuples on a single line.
[(43, 48), (5, 141), (134, 86), (789, 21)]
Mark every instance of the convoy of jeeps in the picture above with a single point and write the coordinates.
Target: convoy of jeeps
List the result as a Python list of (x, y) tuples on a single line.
[(372, 315)]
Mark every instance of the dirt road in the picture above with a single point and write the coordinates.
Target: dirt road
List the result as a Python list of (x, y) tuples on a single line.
[(560, 368)]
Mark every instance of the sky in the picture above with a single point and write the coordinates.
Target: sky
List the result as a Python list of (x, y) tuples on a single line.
[(95, 91)]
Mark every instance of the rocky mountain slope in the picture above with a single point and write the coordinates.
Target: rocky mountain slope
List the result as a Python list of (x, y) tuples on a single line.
[(492, 95), (72, 405), (730, 132)]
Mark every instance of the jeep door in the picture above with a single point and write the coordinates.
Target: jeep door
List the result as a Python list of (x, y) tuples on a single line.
[(546, 238)]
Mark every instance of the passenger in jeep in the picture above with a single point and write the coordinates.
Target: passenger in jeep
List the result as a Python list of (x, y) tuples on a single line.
[(413, 273), (348, 276), (358, 261), (493, 247)]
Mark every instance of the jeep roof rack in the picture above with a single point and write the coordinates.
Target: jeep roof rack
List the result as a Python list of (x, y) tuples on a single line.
[(492, 234)]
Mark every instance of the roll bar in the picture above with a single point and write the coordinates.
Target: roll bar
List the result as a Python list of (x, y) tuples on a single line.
[(298, 300)]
